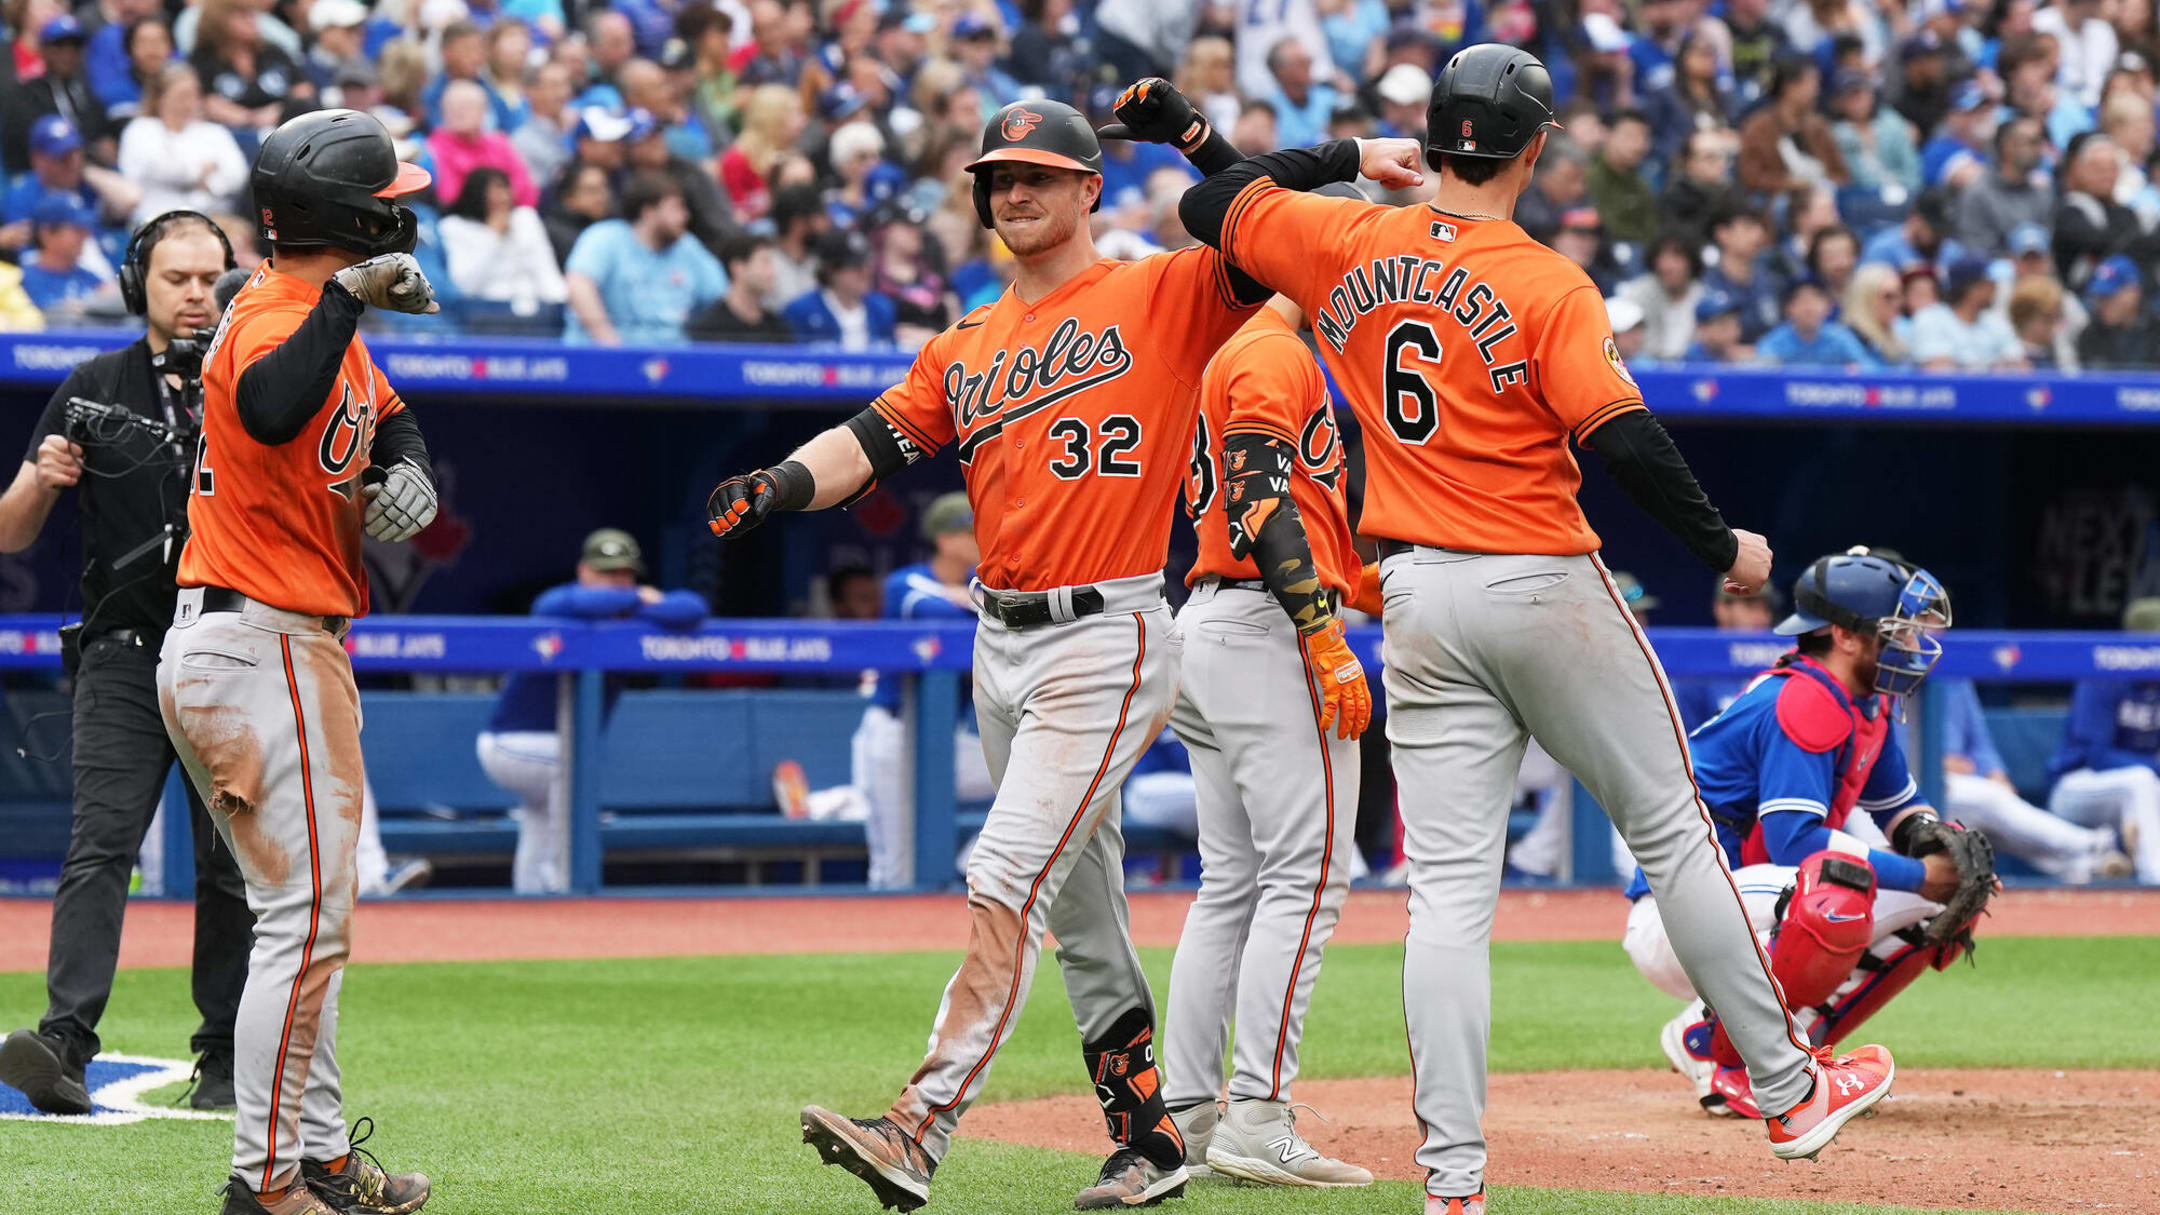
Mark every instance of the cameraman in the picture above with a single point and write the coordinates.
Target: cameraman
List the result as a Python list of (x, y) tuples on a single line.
[(122, 431)]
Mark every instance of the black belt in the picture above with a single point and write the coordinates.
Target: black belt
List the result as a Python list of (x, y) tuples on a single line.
[(141, 639), (220, 599), (1392, 548), (1027, 609)]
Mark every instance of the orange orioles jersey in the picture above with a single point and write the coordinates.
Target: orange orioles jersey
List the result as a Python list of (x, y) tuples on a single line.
[(281, 524), (1072, 415), (1264, 381), (1471, 353)]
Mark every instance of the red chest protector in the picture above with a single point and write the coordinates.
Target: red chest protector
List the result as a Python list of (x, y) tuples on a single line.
[(1816, 713)]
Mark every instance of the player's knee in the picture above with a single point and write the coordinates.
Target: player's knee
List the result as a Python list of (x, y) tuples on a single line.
[(1828, 922)]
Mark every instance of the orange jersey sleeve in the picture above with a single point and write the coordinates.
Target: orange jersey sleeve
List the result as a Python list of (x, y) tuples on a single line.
[(1281, 237), (280, 523), (918, 408), (1193, 306), (1264, 381), (1576, 367)]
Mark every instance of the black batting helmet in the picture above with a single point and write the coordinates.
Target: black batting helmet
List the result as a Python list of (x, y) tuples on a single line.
[(1035, 133), (331, 178), (1488, 103)]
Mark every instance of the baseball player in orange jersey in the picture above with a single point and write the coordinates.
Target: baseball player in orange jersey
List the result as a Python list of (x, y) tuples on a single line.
[(1275, 789), (299, 427), (1472, 356), (1070, 403)]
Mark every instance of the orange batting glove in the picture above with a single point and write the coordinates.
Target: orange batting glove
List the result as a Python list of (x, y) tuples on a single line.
[(739, 504), (1345, 702), (1365, 596)]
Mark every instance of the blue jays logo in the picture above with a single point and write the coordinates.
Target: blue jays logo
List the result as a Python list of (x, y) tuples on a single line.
[(119, 1086)]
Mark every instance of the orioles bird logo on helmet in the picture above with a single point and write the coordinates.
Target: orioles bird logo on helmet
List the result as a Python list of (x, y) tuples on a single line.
[(1020, 122)]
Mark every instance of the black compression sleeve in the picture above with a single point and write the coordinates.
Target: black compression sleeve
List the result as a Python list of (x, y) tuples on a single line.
[(1642, 458), (1214, 154), (398, 437), (283, 389), (888, 451), (1205, 206), (1265, 526)]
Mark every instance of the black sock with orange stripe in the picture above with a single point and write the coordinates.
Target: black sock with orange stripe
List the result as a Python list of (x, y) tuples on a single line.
[(1122, 1065)]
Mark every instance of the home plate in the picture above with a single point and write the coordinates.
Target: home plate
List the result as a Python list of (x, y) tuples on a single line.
[(117, 1084)]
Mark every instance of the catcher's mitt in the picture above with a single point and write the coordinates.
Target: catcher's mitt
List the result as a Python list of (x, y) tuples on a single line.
[(1974, 857)]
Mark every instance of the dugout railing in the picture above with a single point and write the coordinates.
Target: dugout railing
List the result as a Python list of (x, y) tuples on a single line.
[(932, 659)]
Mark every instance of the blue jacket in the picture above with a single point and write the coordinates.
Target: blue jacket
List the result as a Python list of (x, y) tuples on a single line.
[(813, 321), (912, 592), (2114, 723), (527, 701), (1785, 763), (1834, 346)]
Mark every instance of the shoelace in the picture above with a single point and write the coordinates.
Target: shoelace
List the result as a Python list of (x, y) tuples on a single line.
[(1299, 1145), (370, 1178), (194, 1080), (1120, 1160)]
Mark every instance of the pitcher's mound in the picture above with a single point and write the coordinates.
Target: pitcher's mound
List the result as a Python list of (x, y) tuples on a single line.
[(1997, 1139)]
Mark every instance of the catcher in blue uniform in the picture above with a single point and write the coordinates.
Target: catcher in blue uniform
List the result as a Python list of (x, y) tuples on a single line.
[(1851, 907)]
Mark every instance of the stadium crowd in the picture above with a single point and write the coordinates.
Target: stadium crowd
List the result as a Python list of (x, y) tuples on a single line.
[(1944, 184)]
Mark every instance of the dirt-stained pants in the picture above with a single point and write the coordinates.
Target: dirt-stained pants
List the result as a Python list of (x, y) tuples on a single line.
[(262, 709)]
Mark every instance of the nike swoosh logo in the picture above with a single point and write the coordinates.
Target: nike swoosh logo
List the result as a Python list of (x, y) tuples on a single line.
[(968, 325), (1840, 919)]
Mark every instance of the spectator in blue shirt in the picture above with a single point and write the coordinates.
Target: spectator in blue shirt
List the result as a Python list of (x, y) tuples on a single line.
[(975, 43), (636, 280), (2107, 771), (842, 311), (1958, 152), (1922, 239), (133, 43), (58, 168), (464, 54), (1743, 272), (55, 278), (1808, 337), (1717, 330), (1303, 105), (878, 793), (1977, 791), (520, 749), (1964, 332)]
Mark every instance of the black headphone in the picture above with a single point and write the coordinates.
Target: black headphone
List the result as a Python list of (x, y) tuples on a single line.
[(135, 265)]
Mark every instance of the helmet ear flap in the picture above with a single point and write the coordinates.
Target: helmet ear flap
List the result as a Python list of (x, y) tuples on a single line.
[(982, 198)]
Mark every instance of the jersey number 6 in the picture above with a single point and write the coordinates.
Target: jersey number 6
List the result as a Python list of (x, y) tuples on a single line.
[(205, 484), (1120, 434), (1413, 409)]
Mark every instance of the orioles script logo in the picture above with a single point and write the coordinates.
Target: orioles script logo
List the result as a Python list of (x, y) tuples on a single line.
[(345, 433), (1030, 379), (1019, 123)]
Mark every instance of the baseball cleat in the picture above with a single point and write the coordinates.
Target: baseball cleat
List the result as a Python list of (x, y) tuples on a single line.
[(1679, 1047), (1731, 1094), (894, 1166), (1844, 1089), (38, 1064), (360, 1186), (296, 1200), (1258, 1141), (1196, 1126), (1473, 1204), (1130, 1179), (211, 1087)]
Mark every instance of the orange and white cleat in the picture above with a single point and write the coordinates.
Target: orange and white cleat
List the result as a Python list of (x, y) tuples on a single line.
[(1473, 1204), (1845, 1088)]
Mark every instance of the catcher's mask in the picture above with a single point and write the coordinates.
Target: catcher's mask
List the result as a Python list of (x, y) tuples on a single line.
[(1900, 603)]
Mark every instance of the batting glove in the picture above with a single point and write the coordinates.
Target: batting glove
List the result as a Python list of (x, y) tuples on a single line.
[(1345, 701), (400, 504), (392, 281), (739, 504), (1153, 111)]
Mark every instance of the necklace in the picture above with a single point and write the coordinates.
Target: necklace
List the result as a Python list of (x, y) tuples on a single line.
[(1467, 215)]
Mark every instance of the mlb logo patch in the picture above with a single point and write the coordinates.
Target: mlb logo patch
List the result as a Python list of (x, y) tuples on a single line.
[(1443, 232)]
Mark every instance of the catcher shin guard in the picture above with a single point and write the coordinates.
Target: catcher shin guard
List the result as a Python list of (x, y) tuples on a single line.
[(1122, 1065), (1825, 923), (1885, 971)]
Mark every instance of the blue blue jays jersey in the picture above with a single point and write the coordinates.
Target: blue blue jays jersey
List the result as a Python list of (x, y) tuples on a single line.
[(912, 592), (1797, 741)]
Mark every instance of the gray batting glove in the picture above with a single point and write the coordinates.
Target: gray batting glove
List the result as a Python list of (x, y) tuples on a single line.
[(400, 504), (392, 281)]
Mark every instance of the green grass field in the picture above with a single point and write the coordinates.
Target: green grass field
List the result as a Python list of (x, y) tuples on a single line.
[(668, 1086)]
